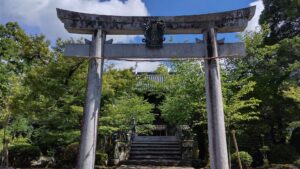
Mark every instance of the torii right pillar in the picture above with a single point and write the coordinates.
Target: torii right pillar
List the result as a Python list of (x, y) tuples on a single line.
[(216, 125)]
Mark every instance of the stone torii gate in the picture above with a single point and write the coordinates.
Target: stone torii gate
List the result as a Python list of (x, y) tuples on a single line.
[(154, 28)]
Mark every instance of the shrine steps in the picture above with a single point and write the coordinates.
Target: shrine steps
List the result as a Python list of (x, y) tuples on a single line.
[(156, 150)]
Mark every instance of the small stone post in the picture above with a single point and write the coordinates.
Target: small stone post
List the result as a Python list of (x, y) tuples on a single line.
[(87, 151), (216, 125)]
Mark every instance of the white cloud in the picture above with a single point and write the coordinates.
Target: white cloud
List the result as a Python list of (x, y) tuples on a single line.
[(141, 66), (253, 24), (147, 66), (42, 13)]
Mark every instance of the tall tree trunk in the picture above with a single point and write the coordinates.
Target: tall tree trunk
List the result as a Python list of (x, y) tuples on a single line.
[(202, 143), (237, 149), (5, 145)]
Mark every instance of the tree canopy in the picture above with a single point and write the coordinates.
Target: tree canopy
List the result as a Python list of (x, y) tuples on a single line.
[(283, 18), (42, 93)]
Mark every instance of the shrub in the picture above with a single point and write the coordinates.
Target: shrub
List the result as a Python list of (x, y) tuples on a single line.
[(266, 163), (70, 154), (297, 163), (101, 158), (246, 159), (295, 139), (282, 154), (282, 166), (22, 155)]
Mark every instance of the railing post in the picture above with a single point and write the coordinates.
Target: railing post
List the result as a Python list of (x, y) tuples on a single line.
[(133, 128)]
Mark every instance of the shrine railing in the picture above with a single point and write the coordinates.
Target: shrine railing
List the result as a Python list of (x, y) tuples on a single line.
[(122, 144)]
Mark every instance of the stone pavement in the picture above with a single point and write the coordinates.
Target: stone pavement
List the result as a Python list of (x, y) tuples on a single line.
[(151, 167)]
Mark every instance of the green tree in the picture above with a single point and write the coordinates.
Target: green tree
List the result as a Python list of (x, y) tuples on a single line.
[(18, 54), (240, 106), (117, 83), (283, 19), (185, 96), (272, 68), (53, 100), (185, 100), (118, 116)]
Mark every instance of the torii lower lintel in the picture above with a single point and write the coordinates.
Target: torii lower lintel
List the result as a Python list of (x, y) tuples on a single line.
[(169, 51)]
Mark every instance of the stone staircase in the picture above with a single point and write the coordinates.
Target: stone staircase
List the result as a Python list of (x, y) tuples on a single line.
[(155, 150)]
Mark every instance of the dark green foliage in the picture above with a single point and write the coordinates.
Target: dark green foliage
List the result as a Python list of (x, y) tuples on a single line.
[(297, 162), (185, 97), (101, 158), (42, 93), (185, 100), (18, 53), (283, 18), (20, 50), (70, 154), (295, 139), (22, 155), (282, 154), (249, 140), (282, 166), (20, 127), (118, 115), (246, 159), (273, 69), (53, 140), (117, 83)]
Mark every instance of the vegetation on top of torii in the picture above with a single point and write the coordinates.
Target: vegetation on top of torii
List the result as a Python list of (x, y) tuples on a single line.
[(42, 93)]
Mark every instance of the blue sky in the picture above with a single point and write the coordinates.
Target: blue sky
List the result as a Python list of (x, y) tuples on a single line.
[(39, 16), (192, 7)]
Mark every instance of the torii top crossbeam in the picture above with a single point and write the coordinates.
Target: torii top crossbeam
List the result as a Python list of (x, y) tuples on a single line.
[(223, 22)]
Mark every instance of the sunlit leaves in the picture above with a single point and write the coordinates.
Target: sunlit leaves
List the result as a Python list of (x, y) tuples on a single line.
[(120, 114)]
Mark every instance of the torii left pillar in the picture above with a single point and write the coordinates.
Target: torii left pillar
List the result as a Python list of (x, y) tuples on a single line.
[(88, 140)]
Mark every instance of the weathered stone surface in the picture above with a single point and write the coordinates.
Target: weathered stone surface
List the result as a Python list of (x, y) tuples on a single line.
[(214, 105), (151, 167), (230, 21), (139, 51), (88, 139)]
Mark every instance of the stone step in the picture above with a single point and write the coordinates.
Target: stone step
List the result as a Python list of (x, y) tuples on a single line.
[(155, 145), (129, 166), (155, 142), (162, 150), (160, 156), (155, 138), (154, 153), (158, 162), (155, 149)]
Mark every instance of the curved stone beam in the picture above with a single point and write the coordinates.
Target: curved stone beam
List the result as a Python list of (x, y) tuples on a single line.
[(82, 23), (169, 51)]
